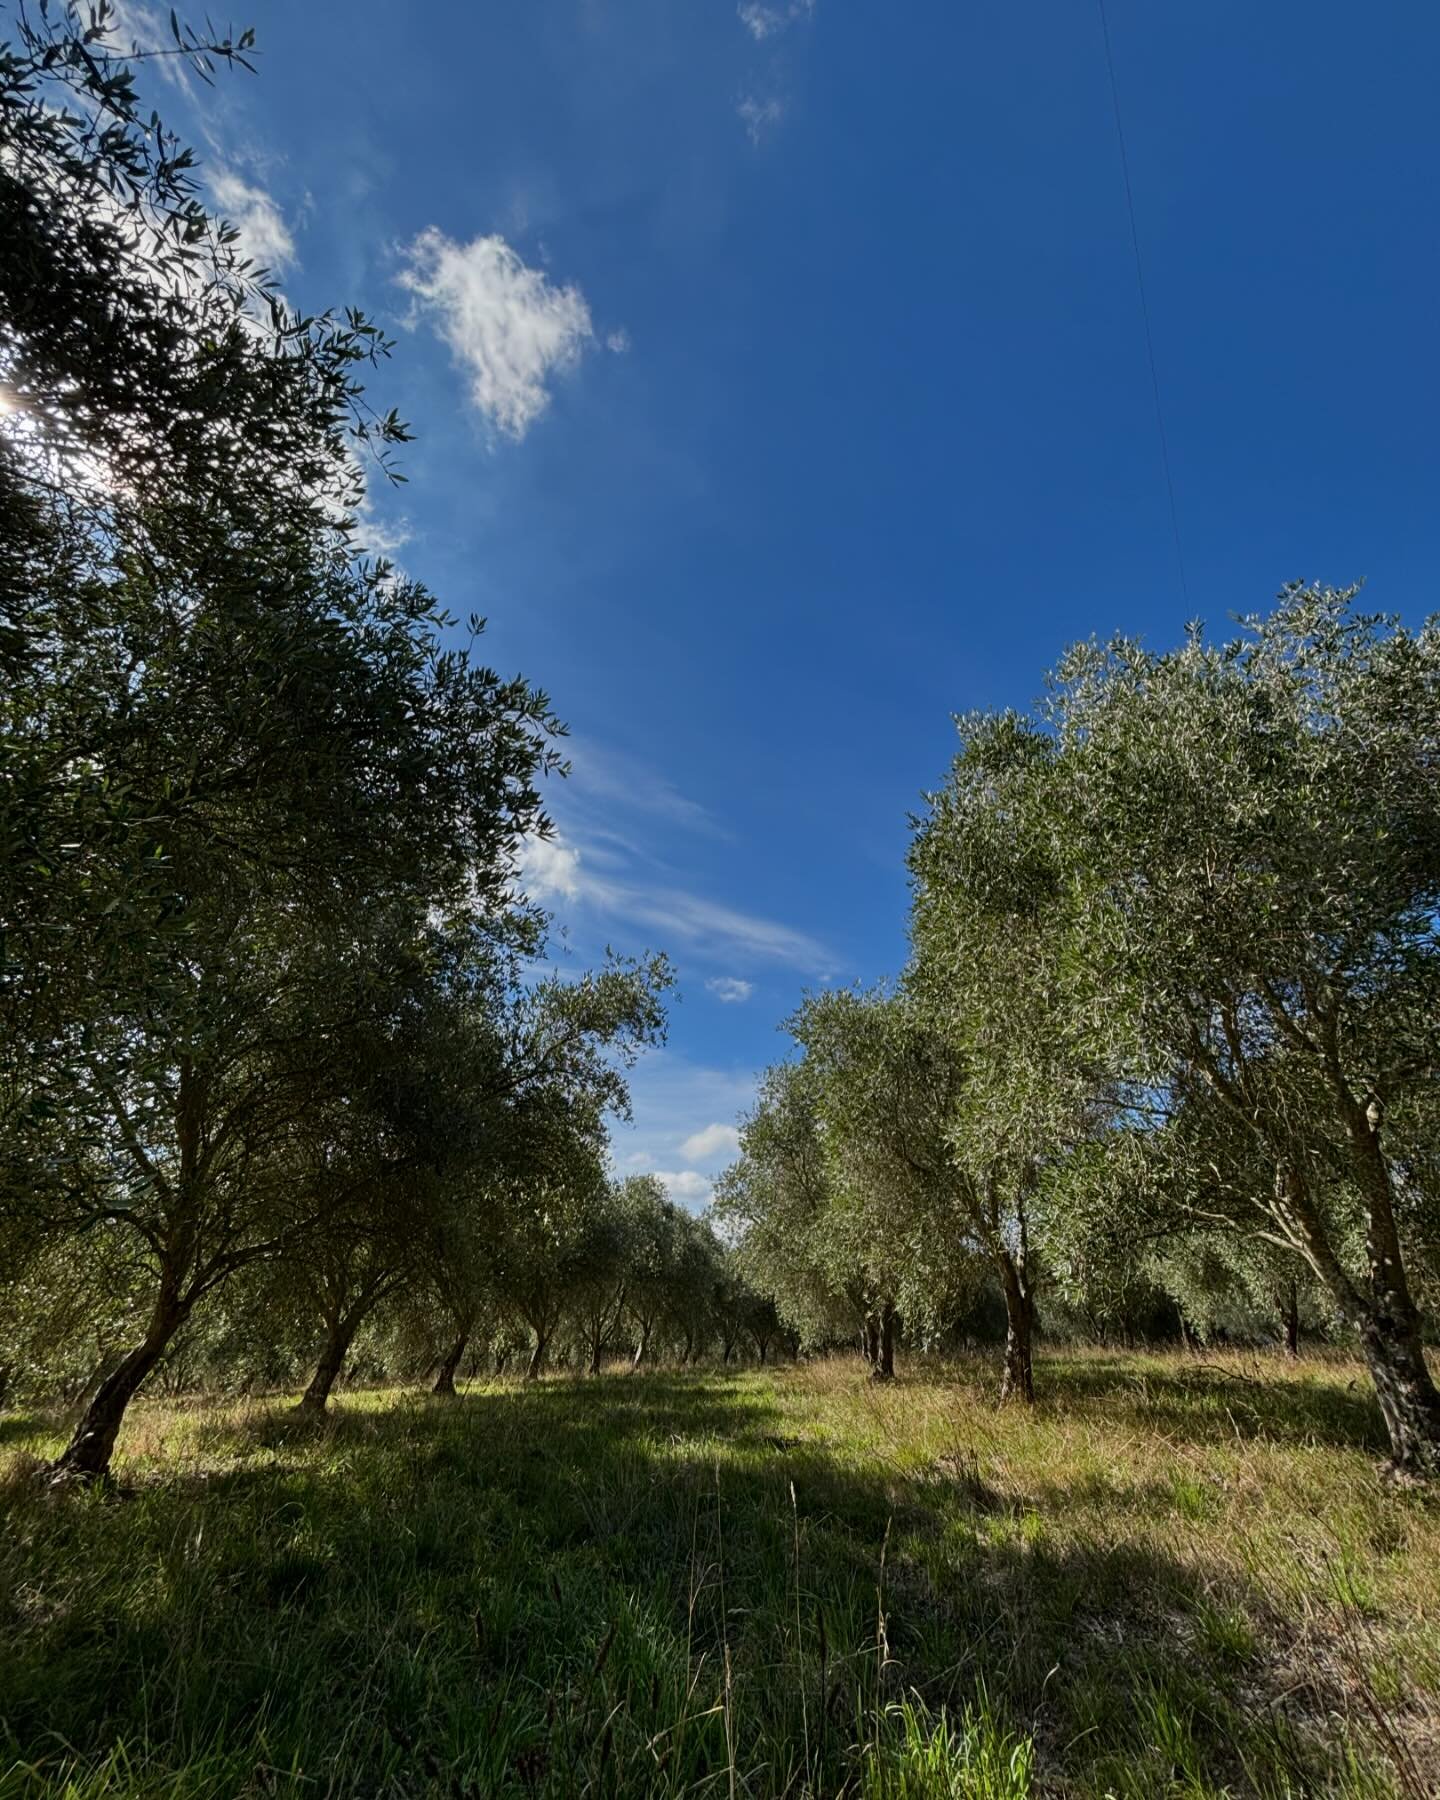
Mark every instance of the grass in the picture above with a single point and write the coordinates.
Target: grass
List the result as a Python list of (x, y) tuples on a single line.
[(1173, 1578)]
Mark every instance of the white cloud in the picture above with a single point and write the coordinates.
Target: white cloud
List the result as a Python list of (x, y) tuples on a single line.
[(264, 235), (714, 1140), (507, 324), (618, 341), (550, 869), (380, 536), (688, 1186), (669, 1092), (730, 990), (769, 21), (760, 116)]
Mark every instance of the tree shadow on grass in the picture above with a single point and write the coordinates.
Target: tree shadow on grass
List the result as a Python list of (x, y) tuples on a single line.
[(1201, 1403), (621, 1586)]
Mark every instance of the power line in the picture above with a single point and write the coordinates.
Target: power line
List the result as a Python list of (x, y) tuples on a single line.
[(1144, 304)]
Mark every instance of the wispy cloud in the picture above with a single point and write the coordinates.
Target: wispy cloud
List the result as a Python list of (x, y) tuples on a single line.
[(509, 326), (764, 102), (769, 21), (612, 776), (140, 30), (730, 990), (760, 117), (556, 867)]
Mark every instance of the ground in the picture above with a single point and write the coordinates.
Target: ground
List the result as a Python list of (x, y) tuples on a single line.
[(1178, 1576)]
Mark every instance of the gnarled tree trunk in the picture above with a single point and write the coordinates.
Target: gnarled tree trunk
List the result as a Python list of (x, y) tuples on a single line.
[(1395, 1356), (537, 1356), (1382, 1312), (87, 1456), (340, 1330), (445, 1380)]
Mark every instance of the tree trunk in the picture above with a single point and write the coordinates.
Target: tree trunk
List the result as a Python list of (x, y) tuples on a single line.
[(339, 1333), (882, 1358), (643, 1345), (87, 1456), (1384, 1315), (1290, 1315), (537, 1357), (502, 1361), (1395, 1357), (872, 1342), (1018, 1382), (445, 1380)]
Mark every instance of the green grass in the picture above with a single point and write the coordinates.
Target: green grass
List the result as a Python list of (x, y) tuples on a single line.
[(1172, 1579)]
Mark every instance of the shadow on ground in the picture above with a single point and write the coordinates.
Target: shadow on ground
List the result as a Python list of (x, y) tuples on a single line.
[(633, 1585), (1197, 1402)]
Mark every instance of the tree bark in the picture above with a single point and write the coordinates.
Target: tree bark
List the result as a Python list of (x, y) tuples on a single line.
[(445, 1380), (1383, 1314), (1395, 1357), (1290, 1312), (872, 1341), (643, 1346), (537, 1356), (86, 1458), (339, 1334), (881, 1333), (1018, 1381)]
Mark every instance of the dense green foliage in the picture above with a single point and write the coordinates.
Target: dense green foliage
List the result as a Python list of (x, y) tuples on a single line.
[(1171, 1027)]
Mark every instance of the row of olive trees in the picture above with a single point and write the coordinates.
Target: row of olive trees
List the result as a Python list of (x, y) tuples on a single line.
[(265, 1016), (1172, 1015), (572, 1273)]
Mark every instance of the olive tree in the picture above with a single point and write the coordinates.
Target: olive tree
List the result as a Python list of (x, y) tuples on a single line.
[(1239, 848)]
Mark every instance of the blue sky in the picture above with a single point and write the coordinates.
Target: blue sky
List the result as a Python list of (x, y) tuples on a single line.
[(781, 390)]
